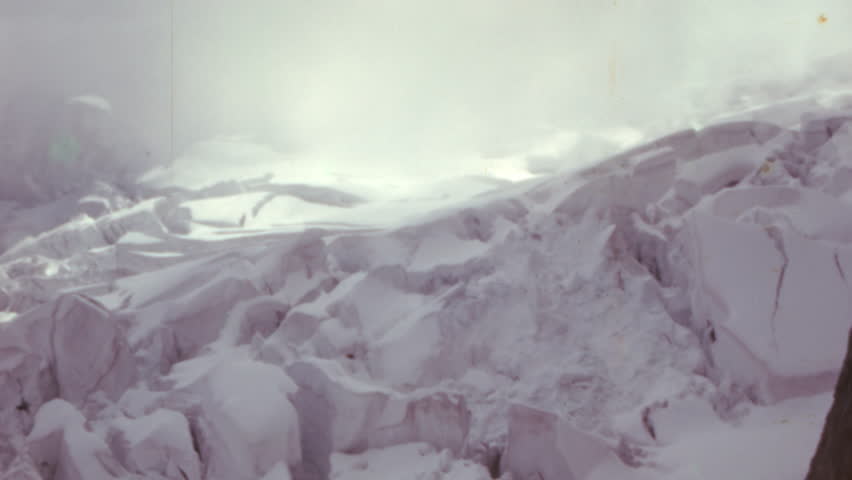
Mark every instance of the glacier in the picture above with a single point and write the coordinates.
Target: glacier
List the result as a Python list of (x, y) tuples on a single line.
[(668, 312)]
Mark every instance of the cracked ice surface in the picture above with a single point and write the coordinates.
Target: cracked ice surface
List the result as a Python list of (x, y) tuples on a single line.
[(606, 323)]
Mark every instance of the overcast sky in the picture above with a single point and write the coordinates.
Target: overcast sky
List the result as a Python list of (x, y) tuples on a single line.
[(403, 82)]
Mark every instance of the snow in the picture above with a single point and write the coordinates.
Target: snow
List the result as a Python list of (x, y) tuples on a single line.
[(54, 416), (252, 418), (74, 452), (774, 442), (161, 254), (410, 461), (216, 161), (795, 273), (539, 444), (160, 442), (239, 387), (95, 101), (138, 238), (278, 472), (666, 313), (284, 210), (230, 210)]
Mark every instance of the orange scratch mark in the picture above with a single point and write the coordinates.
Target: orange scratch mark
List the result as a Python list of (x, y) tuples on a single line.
[(822, 18)]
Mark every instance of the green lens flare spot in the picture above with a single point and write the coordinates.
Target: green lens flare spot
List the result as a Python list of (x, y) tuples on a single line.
[(65, 149)]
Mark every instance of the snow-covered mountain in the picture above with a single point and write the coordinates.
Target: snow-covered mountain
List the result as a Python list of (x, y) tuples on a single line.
[(676, 311)]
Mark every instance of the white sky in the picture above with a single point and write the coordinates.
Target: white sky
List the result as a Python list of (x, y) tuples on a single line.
[(410, 84)]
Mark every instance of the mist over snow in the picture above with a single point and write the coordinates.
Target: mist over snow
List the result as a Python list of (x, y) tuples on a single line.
[(445, 240), (421, 88)]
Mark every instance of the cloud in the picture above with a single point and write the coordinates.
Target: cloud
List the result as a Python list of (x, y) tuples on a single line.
[(405, 84)]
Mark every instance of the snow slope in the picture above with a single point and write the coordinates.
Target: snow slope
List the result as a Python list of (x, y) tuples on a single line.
[(677, 310)]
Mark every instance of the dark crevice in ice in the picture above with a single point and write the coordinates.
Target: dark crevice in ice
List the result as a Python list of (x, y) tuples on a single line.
[(775, 235), (840, 268)]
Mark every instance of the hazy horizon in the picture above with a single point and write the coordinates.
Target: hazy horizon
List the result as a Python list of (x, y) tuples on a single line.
[(404, 85)]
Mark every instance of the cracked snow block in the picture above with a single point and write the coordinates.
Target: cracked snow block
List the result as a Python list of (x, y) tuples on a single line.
[(27, 378), (473, 224), (63, 446), (260, 316), (21, 468), (26, 382), (816, 132), (599, 194), (649, 246), (358, 312), (71, 347), (155, 289), (725, 136), (839, 144), (294, 266), (681, 143), (634, 190), (445, 339), (156, 444), (789, 207), (593, 194), (176, 218), (651, 178), (203, 313), (415, 351), (82, 233), (248, 424), (44, 441), (440, 278), (358, 253), (713, 172), (76, 235), (832, 169), (90, 351), (541, 445), (690, 145), (771, 288), (340, 414), (295, 329), (140, 218)]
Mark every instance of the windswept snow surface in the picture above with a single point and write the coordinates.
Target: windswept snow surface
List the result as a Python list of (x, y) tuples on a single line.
[(676, 311)]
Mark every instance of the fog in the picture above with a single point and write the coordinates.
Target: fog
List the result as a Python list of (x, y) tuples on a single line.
[(427, 88)]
